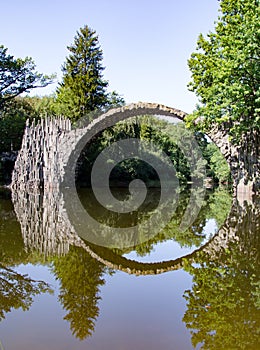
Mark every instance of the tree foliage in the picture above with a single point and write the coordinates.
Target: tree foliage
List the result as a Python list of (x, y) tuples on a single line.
[(42, 105), (147, 129), (218, 167), (226, 71), (166, 136), (83, 88), (18, 75), (12, 123)]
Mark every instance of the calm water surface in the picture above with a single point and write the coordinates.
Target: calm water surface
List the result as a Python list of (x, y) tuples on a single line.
[(197, 289)]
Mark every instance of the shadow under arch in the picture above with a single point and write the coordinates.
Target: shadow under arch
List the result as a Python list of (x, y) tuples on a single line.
[(76, 139)]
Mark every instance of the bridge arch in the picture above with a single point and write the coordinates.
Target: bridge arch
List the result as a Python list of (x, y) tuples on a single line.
[(76, 139)]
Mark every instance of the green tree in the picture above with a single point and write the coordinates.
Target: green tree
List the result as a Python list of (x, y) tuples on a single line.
[(17, 76), (83, 88), (42, 105), (226, 72), (217, 163), (13, 118)]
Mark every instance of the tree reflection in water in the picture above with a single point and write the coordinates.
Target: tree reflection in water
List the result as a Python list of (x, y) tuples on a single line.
[(223, 303), (80, 277), (17, 290)]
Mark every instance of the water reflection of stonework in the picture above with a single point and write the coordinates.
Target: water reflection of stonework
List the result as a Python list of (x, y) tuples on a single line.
[(42, 223), (46, 228), (241, 228)]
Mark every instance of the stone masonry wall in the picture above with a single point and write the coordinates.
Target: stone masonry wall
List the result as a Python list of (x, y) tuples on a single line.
[(38, 162)]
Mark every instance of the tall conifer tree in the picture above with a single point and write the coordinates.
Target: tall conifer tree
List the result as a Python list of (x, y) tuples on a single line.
[(83, 88)]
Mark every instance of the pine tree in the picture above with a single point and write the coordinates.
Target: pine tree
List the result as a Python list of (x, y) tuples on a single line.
[(83, 88)]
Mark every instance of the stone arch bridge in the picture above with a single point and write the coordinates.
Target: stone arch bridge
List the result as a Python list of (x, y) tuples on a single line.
[(51, 148)]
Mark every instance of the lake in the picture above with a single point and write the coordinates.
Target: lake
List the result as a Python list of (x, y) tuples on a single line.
[(195, 287)]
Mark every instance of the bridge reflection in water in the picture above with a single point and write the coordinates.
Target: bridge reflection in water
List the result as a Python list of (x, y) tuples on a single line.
[(46, 228), (225, 267)]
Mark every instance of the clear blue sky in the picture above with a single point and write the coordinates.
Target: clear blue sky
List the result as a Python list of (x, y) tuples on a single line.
[(145, 43)]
